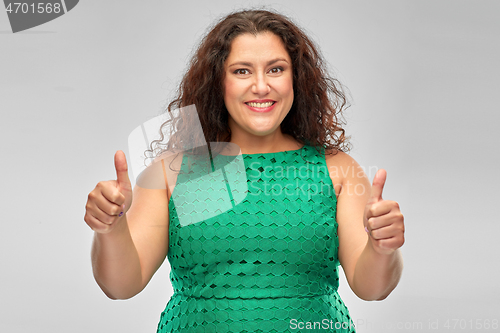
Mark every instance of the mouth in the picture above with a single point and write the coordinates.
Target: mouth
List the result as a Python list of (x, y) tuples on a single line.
[(261, 106)]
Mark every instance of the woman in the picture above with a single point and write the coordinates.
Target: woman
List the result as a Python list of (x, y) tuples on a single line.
[(269, 263)]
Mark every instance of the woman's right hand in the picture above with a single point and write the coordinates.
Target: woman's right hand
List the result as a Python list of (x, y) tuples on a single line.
[(110, 200)]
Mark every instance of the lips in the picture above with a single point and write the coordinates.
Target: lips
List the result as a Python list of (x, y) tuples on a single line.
[(261, 105)]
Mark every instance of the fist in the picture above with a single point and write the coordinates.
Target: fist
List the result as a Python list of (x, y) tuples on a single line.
[(110, 200), (383, 220)]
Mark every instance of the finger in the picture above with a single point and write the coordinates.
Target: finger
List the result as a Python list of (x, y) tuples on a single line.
[(381, 222), (374, 223), (381, 233), (109, 208), (392, 243), (381, 208), (378, 186), (386, 232), (111, 193), (98, 218), (95, 224), (121, 167), (102, 214)]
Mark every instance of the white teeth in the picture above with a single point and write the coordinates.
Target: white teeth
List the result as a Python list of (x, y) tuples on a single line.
[(260, 105)]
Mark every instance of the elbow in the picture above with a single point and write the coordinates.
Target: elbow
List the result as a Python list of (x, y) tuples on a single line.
[(365, 297), (111, 297), (370, 297), (384, 296), (108, 293), (373, 298), (118, 297)]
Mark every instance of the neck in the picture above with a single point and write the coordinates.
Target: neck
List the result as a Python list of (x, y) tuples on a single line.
[(273, 142)]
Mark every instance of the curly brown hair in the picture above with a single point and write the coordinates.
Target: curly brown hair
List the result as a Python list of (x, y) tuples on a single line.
[(315, 117)]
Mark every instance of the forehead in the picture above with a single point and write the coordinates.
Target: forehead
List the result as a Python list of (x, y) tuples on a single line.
[(261, 47)]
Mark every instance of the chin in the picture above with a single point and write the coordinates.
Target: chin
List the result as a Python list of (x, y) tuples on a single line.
[(261, 132)]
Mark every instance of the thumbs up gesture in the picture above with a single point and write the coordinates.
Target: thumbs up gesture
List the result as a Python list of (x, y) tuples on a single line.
[(383, 220), (110, 200)]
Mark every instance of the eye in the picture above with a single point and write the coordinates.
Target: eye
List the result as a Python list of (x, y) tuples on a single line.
[(241, 71), (276, 70)]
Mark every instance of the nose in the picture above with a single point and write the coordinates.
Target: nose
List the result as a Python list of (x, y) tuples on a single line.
[(261, 85)]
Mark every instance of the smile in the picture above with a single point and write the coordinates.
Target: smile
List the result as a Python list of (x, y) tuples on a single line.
[(260, 105)]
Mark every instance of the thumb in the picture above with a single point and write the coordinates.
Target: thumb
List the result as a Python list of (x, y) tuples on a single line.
[(122, 170), (378, 186)]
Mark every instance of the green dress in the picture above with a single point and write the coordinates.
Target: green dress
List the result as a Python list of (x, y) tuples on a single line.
[(269, 264)]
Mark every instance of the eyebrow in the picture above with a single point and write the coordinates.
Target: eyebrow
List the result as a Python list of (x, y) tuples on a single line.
[(249, 64)]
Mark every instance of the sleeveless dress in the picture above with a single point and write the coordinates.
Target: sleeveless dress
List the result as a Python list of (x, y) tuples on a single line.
[(270, 263)]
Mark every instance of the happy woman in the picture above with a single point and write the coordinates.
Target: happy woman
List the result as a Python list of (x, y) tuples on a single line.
[(271, 263)]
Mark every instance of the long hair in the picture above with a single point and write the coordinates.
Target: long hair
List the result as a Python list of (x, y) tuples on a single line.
[(315, 117)]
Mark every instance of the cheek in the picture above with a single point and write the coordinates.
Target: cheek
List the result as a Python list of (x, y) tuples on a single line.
[(230, 92), (287, 89), (289, 99), (290, 88)]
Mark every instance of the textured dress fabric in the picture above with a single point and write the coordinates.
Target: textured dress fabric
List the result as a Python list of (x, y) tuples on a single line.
[(268, 264)]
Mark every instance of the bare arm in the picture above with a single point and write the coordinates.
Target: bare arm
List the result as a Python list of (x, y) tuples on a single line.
[(126, 250), (115, 262), (372, 263), (377, 275)]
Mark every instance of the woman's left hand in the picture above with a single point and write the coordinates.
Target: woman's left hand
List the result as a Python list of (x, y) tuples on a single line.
[(383, 220)]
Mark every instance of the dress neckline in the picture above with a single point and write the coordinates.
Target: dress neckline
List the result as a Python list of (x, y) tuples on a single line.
[(277, 152)]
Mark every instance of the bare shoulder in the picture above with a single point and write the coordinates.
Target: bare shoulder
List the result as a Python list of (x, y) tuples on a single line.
[(343, 169), (161, 173), (339, 158), (336, 157)]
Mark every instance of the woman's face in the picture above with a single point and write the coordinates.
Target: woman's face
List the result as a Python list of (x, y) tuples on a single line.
[(258, 84)]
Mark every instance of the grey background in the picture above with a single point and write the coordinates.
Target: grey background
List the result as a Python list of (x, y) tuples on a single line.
[(423, 76)]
